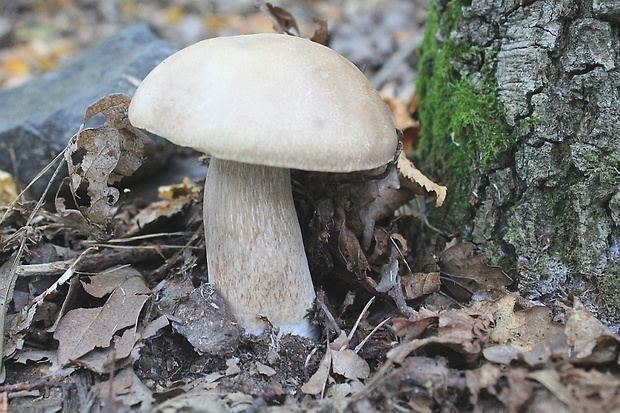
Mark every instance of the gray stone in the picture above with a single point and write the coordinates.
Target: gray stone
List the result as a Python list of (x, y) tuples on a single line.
[(37, 119)]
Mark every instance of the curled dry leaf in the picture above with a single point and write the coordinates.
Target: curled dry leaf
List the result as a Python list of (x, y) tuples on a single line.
[(321, 34), (101, 156), (459, 331), (345, 362), (283, 21), (579, 390), (413, 327), (414, 180)]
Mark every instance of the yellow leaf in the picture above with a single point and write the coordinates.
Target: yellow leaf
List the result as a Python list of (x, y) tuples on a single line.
[(8, 189), (416, 181)]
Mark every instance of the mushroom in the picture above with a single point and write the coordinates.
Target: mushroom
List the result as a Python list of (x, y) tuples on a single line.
[(259, 105)]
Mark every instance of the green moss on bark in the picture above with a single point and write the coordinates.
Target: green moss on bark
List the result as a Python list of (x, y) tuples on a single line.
[(463, 124)]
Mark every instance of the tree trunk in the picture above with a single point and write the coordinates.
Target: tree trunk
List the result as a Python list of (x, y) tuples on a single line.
[(520, 110)]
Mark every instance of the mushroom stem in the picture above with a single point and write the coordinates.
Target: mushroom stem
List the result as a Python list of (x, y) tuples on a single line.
[(255, 252)]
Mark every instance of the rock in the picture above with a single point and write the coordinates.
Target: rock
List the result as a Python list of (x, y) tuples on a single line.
[(37, 119)]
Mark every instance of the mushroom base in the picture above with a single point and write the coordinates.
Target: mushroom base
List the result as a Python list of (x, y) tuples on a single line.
[(255, 251)]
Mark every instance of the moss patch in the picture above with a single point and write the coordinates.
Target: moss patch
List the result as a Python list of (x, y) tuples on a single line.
[(463, 123)]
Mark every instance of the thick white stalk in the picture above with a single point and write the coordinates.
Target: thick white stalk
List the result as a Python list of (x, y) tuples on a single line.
[(255, 252)]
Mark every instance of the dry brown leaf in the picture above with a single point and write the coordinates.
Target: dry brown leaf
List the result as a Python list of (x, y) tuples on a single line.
[(420, 284), (467, 273), (511, 387), (591, 341), (283, 21), (352, 252), (99, 157), (521, 328), (379, 198), (349, 364), (550, 378), (187, 188), (321, 34), (400, 111), (84, 329), (413, 327), (525, 334), (414, 180), (155, 212), (457, 330), (124, 390), (317, 382)]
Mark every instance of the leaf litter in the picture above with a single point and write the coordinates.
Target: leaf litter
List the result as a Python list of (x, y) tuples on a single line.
[(413, 322)]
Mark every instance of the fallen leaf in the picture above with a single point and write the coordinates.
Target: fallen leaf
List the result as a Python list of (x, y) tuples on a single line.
[(378, 199), (511, 387), (467, 273), (592, 342), (8, 189), (186, 188), (99, 157), (421, 284), (156, 213), (521, 328), (414, 180), (283, 21), (82, 330), (343, 390), (349, 364), (321, 34), (265, 370), (457, 330), (413, 327), (526, 334), (317, 382), (404, 118), (124, 390), (551, 379)]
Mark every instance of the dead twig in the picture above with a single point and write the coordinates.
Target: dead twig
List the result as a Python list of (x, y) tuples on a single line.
[(40, 384)]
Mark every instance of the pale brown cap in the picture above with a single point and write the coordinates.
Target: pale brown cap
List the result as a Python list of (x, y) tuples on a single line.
[(268, 99)]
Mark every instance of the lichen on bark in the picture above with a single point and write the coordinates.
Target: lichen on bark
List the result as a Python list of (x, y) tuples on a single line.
[(520, 107)]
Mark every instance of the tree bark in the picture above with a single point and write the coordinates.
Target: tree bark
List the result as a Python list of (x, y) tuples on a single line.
[(520, 110)]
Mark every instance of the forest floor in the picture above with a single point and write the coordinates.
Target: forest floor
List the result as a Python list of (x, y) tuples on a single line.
[(104, 311)]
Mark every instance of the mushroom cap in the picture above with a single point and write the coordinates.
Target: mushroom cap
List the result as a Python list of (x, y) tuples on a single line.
[(268, 99)]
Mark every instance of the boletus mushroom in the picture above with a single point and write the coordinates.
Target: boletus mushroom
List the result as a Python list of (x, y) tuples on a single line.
[(259, 105)]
